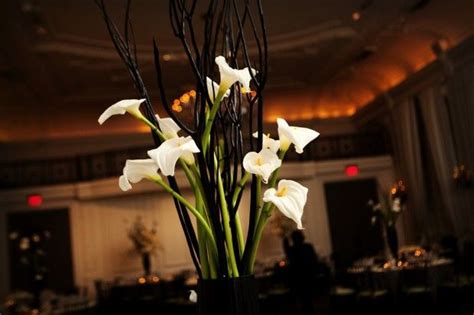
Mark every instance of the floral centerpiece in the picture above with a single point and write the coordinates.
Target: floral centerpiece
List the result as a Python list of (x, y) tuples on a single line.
[(145, 240), (386, 212), (210, 149)]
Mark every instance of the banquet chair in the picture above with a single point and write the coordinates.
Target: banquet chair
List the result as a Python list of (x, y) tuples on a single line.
[(372, 293), (342, 294), (416, 288)]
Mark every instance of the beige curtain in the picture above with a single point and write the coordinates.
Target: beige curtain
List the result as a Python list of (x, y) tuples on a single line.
[(403, 128)]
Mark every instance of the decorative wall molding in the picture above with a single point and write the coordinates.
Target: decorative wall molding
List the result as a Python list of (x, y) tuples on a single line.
[(108, 164)]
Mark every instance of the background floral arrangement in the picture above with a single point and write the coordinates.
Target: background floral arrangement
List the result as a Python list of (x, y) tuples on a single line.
[(391, 205), (144, 239), (210, 148)]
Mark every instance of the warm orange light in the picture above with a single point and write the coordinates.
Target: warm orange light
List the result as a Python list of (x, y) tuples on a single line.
[(176, 102), (192, 93), (142, 280), (418, 253), (167, 57), (184, 98), (351, 111), (282, 263), (355, 16), (155, 279)]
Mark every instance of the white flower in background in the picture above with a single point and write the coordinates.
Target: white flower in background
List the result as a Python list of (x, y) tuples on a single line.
[(289, 198), (168, 153), (122, 107), (230, 75), (136, 170), (269, 143), (168, 127), (213, 88), (193, 297), (396, 205), (299, 136), (262, 163)]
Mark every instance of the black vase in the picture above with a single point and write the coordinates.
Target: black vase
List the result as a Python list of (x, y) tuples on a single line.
[(234, 296), (146, 262), (392, 239)]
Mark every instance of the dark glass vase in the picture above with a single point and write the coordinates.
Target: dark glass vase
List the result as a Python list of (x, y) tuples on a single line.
[(235, 296), (146, 263), (392, 239)]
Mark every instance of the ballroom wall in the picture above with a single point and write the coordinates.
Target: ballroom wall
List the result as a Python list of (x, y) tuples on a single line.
[(99, 211)]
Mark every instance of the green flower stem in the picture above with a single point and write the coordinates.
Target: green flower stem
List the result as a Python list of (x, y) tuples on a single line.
[(265, 215), (238, 225), (200, 219), (263, 218), (239, 187), (273, 180), (259, 198), (198, 183), (210, 120), (153, 127), (202, 241), (212, 260), (226, 223)]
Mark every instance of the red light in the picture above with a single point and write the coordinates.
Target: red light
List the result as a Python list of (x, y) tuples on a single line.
[(35, 200), (352, 170)]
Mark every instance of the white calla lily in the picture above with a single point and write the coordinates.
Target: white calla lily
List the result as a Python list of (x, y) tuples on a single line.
[(396, 207), (230, 75), (269, 143), (290, 198), (168, 153), (168, 127), (299, 136), (122, 107), (213, 89), (263, 163), (136, 170)]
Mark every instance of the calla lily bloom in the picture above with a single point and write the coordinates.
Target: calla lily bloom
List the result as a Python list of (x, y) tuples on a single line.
[(263, 163), (269, 143), (289, 198), (299, 136), (396, 205), (122, 107), (136, 170), (168, 153), (168, 127), (213, 88), (230, 75)]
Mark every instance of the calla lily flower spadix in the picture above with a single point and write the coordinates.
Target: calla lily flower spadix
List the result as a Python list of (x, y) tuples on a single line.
[(170, 151), (208, 143), (137, 170), (130, 106), (299, 136), (290, 198), (263, 163)]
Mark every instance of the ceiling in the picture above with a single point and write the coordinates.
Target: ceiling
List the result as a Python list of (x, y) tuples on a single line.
[(328, 58)]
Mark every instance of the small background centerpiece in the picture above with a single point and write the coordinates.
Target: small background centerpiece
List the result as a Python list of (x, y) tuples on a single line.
[(386, 213), (221, 149), (145, 241)]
